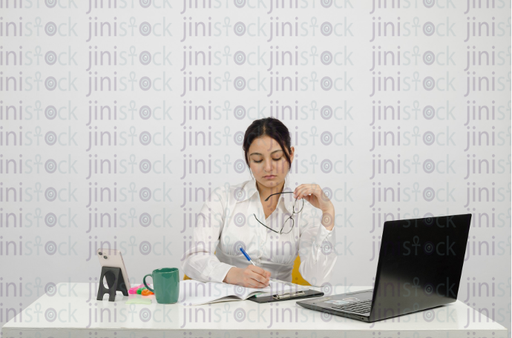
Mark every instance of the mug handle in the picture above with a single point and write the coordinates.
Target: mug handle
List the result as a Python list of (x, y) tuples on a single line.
[(144, 281)]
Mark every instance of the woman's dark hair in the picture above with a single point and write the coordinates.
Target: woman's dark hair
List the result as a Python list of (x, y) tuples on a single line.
[(271, 127)]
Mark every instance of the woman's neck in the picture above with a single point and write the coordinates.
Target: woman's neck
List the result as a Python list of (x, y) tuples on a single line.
[(266, 192)]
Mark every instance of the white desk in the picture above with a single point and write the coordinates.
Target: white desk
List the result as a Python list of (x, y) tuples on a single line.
[(73, 311)]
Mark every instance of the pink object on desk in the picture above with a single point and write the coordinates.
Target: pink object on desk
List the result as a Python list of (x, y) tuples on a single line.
[(133, 290)]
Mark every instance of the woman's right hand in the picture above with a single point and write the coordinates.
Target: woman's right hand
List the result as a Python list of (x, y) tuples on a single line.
[(252, 276)]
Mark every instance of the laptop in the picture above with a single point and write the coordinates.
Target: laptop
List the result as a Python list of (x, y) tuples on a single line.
[(420, 265)]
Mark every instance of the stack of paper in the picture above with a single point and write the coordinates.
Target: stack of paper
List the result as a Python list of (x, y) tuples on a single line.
[(197, 293)]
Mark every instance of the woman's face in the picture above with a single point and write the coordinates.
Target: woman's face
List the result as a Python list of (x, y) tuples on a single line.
[(268, 162)]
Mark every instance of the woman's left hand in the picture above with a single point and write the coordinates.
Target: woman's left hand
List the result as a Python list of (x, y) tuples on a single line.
[(314, 195)]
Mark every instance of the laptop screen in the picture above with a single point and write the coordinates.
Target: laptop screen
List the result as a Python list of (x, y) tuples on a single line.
[(420, 264)]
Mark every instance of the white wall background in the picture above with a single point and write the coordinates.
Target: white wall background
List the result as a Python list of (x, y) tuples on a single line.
[(55, 56)]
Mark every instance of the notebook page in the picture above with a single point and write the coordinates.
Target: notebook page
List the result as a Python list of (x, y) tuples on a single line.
[(196, 293)]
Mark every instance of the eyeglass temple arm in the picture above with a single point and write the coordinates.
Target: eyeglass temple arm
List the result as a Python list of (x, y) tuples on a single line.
[(264, 224), (277, 193)]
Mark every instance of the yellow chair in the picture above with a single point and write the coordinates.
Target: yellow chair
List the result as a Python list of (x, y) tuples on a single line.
[(296, 276)]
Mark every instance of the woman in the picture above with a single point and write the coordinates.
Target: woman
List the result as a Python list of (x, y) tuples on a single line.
[(269, 220)]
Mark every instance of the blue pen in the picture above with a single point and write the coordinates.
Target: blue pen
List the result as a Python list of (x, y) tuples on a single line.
[(247, 256)]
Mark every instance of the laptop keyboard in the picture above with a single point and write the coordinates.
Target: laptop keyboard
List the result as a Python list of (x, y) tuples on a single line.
[(358, 307)]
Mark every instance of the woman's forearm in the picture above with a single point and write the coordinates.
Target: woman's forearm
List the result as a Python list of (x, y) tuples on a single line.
[(328, 218)]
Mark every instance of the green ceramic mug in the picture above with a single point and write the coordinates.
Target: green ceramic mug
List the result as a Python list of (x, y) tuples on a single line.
[(166, 282)]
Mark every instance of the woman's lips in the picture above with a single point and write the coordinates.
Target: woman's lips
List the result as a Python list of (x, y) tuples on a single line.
[(269, 177)]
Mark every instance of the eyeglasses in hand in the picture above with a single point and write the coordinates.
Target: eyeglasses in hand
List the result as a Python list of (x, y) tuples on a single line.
[(289, 223)]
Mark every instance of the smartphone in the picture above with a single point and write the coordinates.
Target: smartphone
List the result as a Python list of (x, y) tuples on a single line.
[(113, 258)]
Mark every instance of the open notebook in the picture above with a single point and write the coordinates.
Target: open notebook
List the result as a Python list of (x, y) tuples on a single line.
[(197, 293)]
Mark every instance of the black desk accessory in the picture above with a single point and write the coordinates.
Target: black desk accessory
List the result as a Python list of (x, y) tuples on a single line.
[(286, 296), (115, 283)]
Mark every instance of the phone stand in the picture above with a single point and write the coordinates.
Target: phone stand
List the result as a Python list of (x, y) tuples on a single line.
[(115, 283)]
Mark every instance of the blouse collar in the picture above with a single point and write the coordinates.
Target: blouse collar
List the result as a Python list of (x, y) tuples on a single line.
[(248, 190)]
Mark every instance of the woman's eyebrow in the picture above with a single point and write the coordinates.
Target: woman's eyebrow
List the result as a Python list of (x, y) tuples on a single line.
[(275, 151)]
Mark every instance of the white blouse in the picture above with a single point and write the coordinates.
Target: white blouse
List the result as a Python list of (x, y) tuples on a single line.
[(227, 222)]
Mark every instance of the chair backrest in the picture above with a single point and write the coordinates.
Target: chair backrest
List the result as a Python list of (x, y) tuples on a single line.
[(296, 276)]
